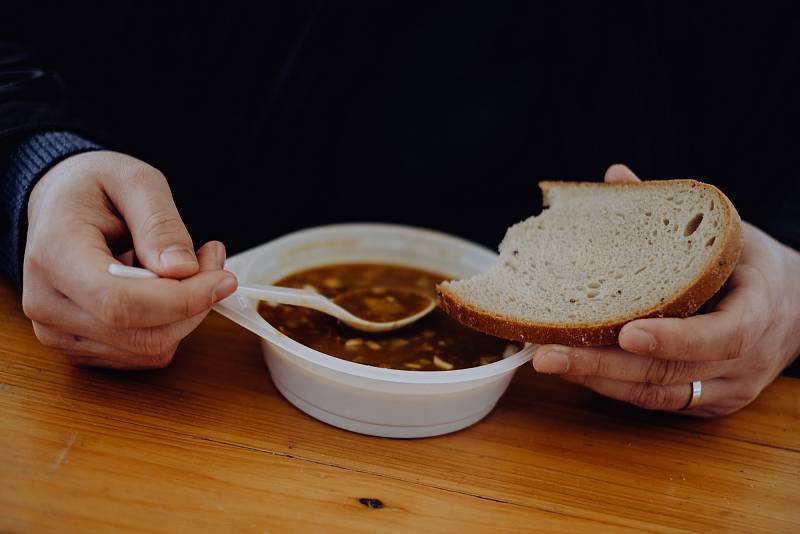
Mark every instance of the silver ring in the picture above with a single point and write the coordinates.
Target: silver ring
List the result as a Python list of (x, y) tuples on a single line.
[(697, 392)]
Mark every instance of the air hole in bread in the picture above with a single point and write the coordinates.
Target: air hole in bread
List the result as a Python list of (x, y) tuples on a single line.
[(594, 285), (640, 269), (711, 207), (691, 226), (592, 294), (665, 221), (710, 242)]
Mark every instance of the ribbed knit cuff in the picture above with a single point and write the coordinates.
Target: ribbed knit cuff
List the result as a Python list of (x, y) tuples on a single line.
[(34, 156)]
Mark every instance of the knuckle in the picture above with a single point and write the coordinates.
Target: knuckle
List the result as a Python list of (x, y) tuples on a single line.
[(736, 342), (761, 363), (36, 258), (686, 342), (665, 372), (187, 308), (746, 393), (44, 336), (32, 307), (140, 173), (148, 342), (650, 397), (115, 308), (49, 338), (599, 365), (162, 223), (196, 304), (162, 360)]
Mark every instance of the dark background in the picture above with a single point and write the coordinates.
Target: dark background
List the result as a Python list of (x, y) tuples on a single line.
[(269, 117)]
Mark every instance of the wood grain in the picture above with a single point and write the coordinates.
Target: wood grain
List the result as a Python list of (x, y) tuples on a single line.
[(208, 445)]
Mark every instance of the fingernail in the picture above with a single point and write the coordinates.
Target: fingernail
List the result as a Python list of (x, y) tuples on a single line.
[(223, 289), (637, 340), (553, 361), (176, 255)]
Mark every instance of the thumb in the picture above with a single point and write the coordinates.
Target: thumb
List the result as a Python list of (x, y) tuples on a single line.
[(620, 174), (160, 239)]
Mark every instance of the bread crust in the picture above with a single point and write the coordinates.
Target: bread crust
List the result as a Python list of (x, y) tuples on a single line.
[(684, 303)]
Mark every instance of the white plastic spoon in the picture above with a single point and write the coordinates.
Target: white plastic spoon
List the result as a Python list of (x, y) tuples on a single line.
[(295, 297)]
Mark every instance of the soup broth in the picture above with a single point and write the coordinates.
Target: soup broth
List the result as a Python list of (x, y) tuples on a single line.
[(434, 343)]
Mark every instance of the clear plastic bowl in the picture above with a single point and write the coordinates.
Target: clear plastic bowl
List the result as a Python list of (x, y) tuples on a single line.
[(362, 398)]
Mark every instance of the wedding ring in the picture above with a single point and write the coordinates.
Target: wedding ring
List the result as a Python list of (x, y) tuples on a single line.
[(697, 392)]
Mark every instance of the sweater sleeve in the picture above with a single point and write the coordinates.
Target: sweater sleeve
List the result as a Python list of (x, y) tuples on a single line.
[(25, 164), (39, 126)]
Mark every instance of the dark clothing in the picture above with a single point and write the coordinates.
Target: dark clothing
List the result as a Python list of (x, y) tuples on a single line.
[(267, 118)]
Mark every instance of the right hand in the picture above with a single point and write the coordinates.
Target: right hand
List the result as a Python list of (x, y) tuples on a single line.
[(80, 211)]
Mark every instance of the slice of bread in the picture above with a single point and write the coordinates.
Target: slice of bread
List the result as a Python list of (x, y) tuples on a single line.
[(600, 256)]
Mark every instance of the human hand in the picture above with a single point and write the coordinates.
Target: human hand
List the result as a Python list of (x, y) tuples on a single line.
[(83, 212), (737, 349)]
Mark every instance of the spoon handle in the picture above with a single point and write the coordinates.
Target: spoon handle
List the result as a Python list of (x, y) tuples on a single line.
[(276, 294), (280, 295)]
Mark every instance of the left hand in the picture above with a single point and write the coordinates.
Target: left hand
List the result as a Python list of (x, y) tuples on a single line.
[(737, 349)]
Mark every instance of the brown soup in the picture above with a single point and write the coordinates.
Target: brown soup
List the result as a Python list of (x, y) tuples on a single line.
[(383, 304), (434, 343)]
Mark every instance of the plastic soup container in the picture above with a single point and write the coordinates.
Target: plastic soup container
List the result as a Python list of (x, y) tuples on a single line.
[(362, 398)]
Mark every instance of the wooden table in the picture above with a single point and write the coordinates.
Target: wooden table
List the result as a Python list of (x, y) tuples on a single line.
[(208, 444)]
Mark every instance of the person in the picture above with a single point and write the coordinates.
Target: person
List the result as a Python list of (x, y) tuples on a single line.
[(132, 132)]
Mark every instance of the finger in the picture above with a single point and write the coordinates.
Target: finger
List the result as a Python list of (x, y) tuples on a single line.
[(652, 396), (617, 364), (620, 174), (162, 242), (151, 342), (58, 312), (85, 351), (700, 338), (125, 303), (719, 335), (211, 256)]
